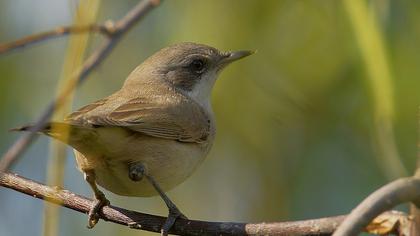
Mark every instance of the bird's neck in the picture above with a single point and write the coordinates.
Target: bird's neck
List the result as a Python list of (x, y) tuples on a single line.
[(202, 99), (201, 92)]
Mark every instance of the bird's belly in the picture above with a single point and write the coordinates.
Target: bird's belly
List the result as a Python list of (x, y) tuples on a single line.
[(168, 162)]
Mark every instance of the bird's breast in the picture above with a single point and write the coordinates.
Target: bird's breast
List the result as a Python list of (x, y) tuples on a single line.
[(170, 162)]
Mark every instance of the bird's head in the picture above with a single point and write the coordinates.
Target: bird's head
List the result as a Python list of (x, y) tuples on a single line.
[(191, 68)]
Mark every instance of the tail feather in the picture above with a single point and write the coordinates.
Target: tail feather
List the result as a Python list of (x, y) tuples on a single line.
[(74, 135), (54, 129), (28, 127), (21, 128)]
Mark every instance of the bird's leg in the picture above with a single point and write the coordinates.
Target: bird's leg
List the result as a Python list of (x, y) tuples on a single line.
[(136, 173), (174, 212), (100, 199)]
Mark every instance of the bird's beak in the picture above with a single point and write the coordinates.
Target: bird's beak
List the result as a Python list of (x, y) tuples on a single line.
[(234, 56)]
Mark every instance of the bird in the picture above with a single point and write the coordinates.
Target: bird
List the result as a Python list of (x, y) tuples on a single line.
[(150, 135)]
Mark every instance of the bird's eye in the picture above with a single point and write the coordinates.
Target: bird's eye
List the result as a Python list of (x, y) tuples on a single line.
[(198, 65)]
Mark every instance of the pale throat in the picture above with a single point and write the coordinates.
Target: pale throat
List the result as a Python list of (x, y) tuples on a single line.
[(201, 93)]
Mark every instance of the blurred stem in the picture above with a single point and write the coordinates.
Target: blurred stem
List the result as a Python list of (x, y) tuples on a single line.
[(372, 49), (85, 14), (414, 210)]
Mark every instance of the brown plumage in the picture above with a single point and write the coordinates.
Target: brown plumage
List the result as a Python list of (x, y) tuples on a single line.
[(159, 124)]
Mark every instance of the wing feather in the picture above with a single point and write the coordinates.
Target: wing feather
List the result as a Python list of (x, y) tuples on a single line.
[(79, 115), (183, 121)]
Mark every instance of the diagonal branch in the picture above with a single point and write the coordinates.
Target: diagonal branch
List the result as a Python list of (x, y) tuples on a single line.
[(399, 191), (137, 220), (120, 27), (106, 29)]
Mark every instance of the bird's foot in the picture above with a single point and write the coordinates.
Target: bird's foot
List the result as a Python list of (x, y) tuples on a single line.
[(136, 173), (174, 214), (100, 202)]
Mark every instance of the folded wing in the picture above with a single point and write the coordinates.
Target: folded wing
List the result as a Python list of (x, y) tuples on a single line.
[(184, 121)]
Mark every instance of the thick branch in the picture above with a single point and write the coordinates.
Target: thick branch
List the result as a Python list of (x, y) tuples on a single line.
[(98, 56), (137, 220), (397, 192), (324, 226)]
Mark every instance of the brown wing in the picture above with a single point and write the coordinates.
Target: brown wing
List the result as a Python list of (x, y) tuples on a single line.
[(78, 116), (183, 121)]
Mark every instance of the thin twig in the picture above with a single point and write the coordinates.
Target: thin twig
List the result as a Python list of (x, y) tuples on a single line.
[(397, 192), (137, 220), (98, 56), (105, 29)]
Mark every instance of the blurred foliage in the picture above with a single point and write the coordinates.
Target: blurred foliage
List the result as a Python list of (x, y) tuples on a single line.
[(296, 121), (74, 56)]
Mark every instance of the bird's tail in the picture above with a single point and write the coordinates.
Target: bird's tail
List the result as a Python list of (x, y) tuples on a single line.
[(72, 134), (58, 130), (46, 129), (21, 128)]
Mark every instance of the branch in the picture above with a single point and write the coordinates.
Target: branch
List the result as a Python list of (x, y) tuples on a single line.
[(106, 29), (397, 192), (98, 56), (137, 220)]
